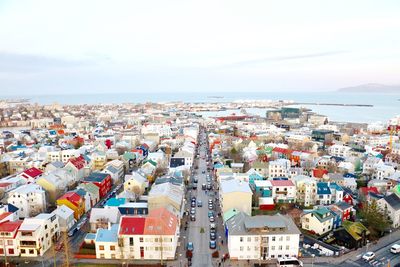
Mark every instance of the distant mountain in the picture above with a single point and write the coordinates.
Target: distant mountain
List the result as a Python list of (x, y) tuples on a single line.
[(371, 88)]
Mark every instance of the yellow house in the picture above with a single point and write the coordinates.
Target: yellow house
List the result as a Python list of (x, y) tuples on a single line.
[(73, 201)]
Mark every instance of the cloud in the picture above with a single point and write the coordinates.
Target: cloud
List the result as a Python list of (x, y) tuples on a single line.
[(26, 63), (284, 58)]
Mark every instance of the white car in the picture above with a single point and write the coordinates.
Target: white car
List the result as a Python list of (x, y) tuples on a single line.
[(368, 256)]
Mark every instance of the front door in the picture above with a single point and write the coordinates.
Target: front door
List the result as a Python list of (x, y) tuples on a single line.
[(142, 252)]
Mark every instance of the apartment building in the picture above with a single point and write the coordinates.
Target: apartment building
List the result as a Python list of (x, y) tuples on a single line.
[(30, 199)]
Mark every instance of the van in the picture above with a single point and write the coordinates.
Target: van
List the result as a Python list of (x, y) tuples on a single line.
[(395, 248)]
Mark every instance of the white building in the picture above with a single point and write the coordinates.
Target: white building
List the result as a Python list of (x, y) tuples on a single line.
[(36, 235), (30, 199), (262, 237), (278, 168), (339, 151), (65, 217)]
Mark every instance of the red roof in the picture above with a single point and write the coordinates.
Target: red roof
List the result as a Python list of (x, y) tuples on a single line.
[(10, 226), (365, 190), (281, 150), (319, 173), (4, 215), (72, 197), (78, 162), (32, 172), (5, 184), (131, 225), (282, 183)]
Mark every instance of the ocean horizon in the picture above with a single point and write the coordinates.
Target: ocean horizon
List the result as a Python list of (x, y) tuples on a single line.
[(384, 106)]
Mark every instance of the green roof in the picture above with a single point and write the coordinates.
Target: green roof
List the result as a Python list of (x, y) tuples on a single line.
[(355, 229), (229, 214), (152, 162), (129, 155), (396, 190)]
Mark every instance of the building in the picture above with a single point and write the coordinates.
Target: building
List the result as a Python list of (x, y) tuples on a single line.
[(318, 221), (65, 217), (283, 191), (101, 180), (232, 190), (390, 206), (30, 199), (262, 237), (36, 235), (73, 201), (103, 218), (8, 242), (278, 168), (149, 238)]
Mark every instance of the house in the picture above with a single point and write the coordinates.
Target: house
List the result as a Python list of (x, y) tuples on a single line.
[(134, 208), (36, 235), (55, 183), (278, 168), (318, 221), (306, 190), (390, 206), (136, 183), (283, 191), (8, 212), (324, 194), (339, 151), (149, 167), (92, 191), (260, 167), (31, 174), (76, 166), (167, 195), (186, 155), (149, 238), (30, 199), (106, 243), (73, 201), (103, 218), (8, 243), (101, 180), (262, 237), (348, 197), (344, 209), (352, 235), (65, 217), (232, 190)]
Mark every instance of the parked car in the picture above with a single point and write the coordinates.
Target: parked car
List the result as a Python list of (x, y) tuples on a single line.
[(193, 218), (213, 244), (209, 187), (190, 246), (193, 199), (193, 211), (210, 207), (212, 219), (368, 256), (203, 186), (210, 201), (210, 214), (395, 249), (72, 232), (199, 203), (193, 204), (213, 235)]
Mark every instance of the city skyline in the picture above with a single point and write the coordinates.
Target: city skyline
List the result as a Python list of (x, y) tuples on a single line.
[(136, 46)]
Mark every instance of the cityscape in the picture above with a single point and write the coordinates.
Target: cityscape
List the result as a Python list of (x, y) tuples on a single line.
[(206, 133)]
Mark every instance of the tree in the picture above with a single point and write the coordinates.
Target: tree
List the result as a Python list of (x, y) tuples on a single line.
[(374, 219)]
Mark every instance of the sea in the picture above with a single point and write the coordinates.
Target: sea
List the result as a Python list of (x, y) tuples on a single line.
[(384, 106)]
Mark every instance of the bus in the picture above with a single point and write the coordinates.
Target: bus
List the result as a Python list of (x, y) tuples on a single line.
[(289, 262)]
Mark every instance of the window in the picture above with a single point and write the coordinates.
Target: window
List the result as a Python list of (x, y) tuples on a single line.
[(287, 247), (101, 247), (249, 239), (248, 248), (112, 247), (102, 256), (241, 248), (280, 247), (31, 251), (281, 238), (287, 238), (273, 238), (241, 239), (273, 248), (256, 238), (141, 239)]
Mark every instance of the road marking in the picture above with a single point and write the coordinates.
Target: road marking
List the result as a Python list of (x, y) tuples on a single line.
[(358, 256)]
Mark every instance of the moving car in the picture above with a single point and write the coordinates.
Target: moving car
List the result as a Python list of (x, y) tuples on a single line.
[(203, 186), (213, 244), (199, 203), (209, 187), (368, 256), (72, 232), (190, 246)]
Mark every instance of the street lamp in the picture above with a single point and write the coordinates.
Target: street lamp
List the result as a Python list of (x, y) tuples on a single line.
[(312, 259), (390, 235)]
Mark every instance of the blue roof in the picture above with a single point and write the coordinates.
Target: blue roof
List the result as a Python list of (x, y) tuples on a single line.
[(96, 177), (90, 236), (323, 188), (349, 175), (335, 186), (255, 176), (218, 165), (115, 202), (105, 235)]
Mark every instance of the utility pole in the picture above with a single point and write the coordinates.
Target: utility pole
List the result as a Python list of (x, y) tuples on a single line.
[(5, 252), (66, 248)]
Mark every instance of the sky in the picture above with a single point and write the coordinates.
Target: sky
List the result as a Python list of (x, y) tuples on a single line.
[(162, 46)]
